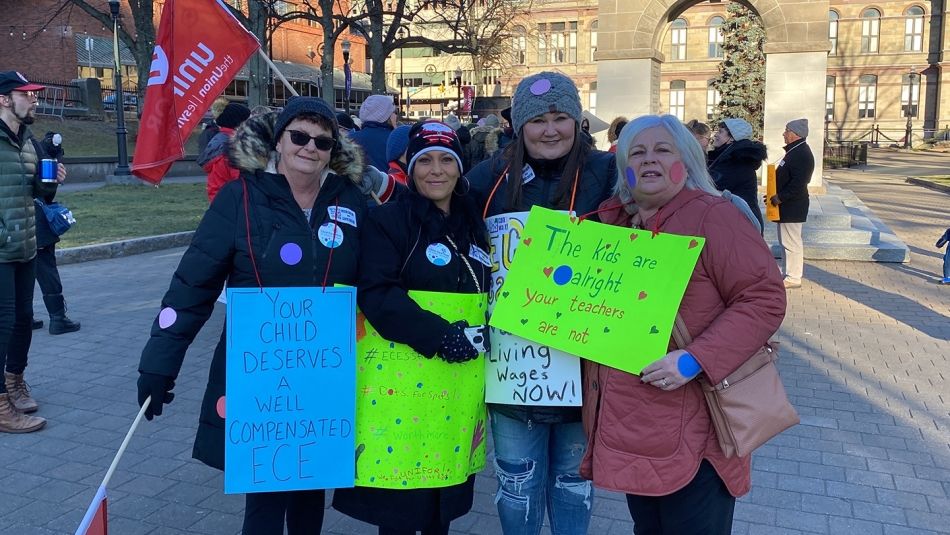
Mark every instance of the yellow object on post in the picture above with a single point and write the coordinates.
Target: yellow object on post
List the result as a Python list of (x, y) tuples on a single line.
[(771, 210)]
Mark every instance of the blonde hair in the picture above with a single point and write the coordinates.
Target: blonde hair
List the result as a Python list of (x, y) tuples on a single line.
[(697, 176), (218, 106), (612, 133)]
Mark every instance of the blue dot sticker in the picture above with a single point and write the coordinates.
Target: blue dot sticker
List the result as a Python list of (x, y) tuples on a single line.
[(540, 87), (291, 253), (562, 275), (438, 254)]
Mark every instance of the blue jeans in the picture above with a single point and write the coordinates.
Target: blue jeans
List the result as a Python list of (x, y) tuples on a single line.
[(946, 264), (537, 467)]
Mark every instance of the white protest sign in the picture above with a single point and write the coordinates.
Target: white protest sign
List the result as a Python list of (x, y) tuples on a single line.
[(519, 371)]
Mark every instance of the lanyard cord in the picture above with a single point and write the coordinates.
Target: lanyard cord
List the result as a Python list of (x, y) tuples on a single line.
[(250, 247), (464, 260), (577, 176), (326, 273)]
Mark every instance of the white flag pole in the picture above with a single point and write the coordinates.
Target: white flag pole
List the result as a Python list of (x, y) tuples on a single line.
[(101, 491), (278, 73)]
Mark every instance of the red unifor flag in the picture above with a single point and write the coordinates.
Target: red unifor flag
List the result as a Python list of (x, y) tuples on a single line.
[(199, 49), (96, 521)]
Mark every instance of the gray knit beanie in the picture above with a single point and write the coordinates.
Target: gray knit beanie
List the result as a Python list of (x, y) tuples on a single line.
[(799, 127), (738, 128), (542, 93)]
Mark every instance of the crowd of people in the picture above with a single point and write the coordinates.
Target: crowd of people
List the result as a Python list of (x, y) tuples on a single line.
[(363, 203)]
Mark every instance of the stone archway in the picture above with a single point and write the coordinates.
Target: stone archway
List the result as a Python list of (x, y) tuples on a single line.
[(630, 53)]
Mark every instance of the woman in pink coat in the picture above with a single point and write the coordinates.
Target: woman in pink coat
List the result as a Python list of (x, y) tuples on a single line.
[(650, 436)]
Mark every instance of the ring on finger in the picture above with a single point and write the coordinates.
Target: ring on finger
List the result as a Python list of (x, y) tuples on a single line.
[(664, 383)]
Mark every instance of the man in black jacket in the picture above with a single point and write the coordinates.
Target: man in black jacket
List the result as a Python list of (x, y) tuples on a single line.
[(792, 176)]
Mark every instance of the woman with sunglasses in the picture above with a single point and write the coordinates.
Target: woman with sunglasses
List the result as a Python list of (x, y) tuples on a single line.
[(433, 239), (292, 218), (538, 449)]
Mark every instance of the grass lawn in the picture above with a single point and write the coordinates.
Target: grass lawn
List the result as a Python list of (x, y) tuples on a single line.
[(96, 138), (939, 179), (112, 213)]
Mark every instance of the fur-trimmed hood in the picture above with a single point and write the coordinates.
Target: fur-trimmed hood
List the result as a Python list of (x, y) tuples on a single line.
[(492, 133), (252, 149)]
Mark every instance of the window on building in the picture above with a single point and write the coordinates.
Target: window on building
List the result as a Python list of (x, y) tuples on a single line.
[(678, 40), (712, 99), (870, 30), (910, 94), (867, 96), (282, 7), (715, 36), (592, 103), (521, 45), (914, 29), (593, 39), (830, 98), (312, 22), (237, 4), (678, 99), (557, 42), (833, 31)]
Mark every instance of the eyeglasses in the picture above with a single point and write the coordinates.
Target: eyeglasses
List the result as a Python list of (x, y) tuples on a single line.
[(301, 139)]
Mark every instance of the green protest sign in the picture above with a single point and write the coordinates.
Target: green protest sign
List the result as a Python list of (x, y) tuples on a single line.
[(420, 423), (606, 293)]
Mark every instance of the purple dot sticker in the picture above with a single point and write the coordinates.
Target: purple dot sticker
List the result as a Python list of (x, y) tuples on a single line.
[(631, 177), (540, 87), (219, 406), (167, 317), (562, 275), (291, 254)]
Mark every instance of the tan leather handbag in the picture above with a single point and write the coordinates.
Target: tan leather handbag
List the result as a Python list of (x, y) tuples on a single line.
[(748, 407)]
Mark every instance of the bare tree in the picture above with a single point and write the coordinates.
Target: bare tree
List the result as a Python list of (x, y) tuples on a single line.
[(140, 37)]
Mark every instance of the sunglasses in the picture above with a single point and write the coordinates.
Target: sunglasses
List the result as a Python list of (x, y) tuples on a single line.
[(301, 139)]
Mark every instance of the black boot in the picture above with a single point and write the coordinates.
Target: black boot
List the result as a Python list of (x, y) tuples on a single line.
[(59, 323), (37, 324)]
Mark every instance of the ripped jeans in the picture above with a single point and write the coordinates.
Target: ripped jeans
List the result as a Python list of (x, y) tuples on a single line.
[(537, 467)]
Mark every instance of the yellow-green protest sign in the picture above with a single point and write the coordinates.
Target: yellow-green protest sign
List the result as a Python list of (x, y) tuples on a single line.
[(606, 293), (420, 423)]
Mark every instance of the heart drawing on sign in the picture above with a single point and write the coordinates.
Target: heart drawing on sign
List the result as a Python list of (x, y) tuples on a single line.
[(607, 246), (654, 330), (693, 243), (633, 236), (547, 271), (526, 242), (524, 322), (599, 270), (504, 294), (643, 295), (606, 329), (557, 314)]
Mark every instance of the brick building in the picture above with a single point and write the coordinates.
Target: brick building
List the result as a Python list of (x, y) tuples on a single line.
[(56, 41)]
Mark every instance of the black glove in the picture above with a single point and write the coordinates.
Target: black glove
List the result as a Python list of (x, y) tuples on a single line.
[(455, 345), (159, 387)]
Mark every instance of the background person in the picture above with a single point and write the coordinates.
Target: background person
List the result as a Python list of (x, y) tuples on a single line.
[(435, 210), (19, 184), (946, 256), (214, 159), (292, 164), (613, 132), (47, 272), (792, 175), (378, 119), (735, 160), (651, 435), (210, 124), (537, 448), (396, 153), (700, 131)]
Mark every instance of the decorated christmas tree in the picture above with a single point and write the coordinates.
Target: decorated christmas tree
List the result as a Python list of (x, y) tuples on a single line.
[(741, 80)]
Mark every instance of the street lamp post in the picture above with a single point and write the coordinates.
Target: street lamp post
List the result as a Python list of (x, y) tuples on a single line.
[(122, 167), (347, 76), (402, 79), (458, 87), (911, 78)]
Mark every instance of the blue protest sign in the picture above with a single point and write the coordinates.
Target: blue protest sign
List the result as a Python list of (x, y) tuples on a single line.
[(291, 389)]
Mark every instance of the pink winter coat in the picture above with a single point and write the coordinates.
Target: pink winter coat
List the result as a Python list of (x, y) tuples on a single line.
[(649, 442)]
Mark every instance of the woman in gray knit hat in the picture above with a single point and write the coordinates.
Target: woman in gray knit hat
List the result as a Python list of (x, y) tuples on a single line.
[(538, 448)]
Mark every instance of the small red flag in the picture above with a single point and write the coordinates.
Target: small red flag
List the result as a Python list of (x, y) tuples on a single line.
[(199, 49), (96, 521)]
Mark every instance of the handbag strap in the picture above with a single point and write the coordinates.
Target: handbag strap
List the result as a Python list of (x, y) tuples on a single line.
[(680, 333)]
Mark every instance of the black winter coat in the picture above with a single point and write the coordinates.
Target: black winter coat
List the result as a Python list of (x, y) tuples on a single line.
[(393, 262), (219, 252), (792, 176), (733, 167), (595, 185)]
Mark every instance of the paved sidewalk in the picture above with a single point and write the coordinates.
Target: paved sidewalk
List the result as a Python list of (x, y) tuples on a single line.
[(865, 358)]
